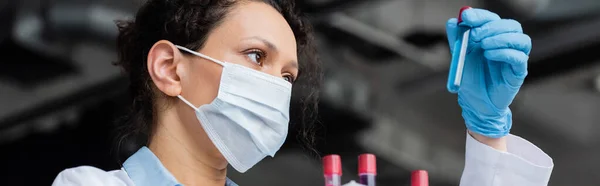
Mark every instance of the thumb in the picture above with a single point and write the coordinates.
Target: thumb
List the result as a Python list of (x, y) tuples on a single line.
[(452, 32)]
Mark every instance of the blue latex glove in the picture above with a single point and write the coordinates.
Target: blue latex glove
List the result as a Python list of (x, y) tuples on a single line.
[(494, 70)]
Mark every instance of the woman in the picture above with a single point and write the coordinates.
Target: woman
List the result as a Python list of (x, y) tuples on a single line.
[(212, 81)]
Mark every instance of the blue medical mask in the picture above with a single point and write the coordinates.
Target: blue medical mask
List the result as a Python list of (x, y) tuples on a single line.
[(249, 118)]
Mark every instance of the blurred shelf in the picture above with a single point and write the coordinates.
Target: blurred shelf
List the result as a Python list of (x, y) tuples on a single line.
[(96, 77)]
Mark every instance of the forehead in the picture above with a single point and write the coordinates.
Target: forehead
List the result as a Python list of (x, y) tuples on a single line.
[(251, 19)]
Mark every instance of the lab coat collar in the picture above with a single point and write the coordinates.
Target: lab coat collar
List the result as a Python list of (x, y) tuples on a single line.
[(144, 168)]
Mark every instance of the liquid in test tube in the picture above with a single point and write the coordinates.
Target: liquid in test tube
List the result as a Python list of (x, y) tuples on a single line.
[(458, 55), (367, 169), (332, 170)]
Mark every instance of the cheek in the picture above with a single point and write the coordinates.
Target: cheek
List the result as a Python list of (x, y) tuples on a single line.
[(202, 83)]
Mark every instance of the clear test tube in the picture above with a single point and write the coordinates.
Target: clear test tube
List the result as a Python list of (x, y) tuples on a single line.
[(367, 169), (457, 64), (332, 170)]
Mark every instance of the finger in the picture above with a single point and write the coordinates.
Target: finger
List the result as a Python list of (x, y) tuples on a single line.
[(516, 41), (517, 60), (476, 17), (495, 28), (452, 32)]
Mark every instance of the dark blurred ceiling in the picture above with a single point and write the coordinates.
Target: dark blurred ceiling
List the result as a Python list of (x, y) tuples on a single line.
[(385, 60)]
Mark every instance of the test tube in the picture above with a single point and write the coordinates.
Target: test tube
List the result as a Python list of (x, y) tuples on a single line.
[(419, 178), (332, 170), (458, 55), (367, 169)]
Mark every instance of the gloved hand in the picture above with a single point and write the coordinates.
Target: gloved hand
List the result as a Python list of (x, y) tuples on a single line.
[(494, 70)]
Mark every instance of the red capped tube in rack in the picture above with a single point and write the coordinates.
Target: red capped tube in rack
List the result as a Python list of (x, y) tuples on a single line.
[(419, 178), (367, 169), (332, 170)]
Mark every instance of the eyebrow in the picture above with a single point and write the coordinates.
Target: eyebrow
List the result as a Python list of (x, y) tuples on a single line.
[(271, 46)]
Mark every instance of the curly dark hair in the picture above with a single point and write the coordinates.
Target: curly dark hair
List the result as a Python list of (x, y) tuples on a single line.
[(188, 23)]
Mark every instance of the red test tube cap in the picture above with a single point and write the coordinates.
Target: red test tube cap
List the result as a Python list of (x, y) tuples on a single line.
[(419, 178), (332, 164), (461, 11), (367, 164)]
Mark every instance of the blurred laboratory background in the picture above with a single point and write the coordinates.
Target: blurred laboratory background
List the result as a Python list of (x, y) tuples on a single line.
[(386, 64)]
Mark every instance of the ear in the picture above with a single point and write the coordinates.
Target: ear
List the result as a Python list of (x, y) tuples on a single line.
[(163, 60)]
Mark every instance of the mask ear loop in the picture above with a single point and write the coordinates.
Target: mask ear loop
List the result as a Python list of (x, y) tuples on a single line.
[(200, 55), (187, 102)]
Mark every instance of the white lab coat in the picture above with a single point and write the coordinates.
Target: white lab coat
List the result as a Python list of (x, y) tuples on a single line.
[(523, 164)]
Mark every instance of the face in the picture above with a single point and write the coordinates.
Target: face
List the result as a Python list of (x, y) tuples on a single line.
[(253, 34)]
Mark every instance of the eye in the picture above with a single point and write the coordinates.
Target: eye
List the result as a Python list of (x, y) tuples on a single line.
[(289, 78), (256, 56)]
